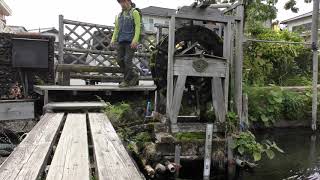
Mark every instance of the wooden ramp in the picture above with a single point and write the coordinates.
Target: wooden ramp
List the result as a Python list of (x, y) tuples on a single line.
[(72, 135)]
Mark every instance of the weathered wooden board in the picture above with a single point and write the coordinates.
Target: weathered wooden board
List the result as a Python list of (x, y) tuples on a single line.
[(208, 151), (177, 98), (16, 110), (112, 160), (28, 160), (214, 69), (71, 158), (40, 89), (75, 106), (197, 127)]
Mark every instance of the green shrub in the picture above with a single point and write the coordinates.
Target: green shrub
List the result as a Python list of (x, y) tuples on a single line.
[(265, 105), (295, 105), (276, 63), (245, 144), (270, 104), (118, 113)]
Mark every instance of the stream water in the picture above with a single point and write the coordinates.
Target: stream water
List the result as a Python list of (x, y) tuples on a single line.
[(301, 160)]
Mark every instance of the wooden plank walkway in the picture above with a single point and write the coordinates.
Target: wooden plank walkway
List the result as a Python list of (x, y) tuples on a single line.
[(28, 160), (71, 159), (112, 160)]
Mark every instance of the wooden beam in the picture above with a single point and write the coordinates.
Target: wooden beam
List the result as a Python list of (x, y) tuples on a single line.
[(177, 154), (96, 88), (75, 106), (61, 39), (239, 62), (60, 47), (245, 115), (208, 151), (218, 99), (66, 21), (104, 78), (230, 55), (71, 158), (111, 158), (171, 49), (314, 36), (221, 19), (198, 127), (29, 159), (177, 98), (46, 97), (86, 68), (113, 53), (214, 68), (16, 110)]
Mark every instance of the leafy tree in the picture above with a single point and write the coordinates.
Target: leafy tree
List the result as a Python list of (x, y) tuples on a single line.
[(291, 4)]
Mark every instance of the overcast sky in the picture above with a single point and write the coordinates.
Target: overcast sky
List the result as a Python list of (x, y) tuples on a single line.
[(33, 14)]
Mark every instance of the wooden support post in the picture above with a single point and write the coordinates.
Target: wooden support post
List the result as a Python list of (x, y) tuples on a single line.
[(45, 97), (208, 151), (177, 97), (159, 34), (315, 22), (218, 99), (313, 147), (177, 158), (231, 165), (156, 100), (171, 49), (245, 118), (228, 51), (61, 46), (65, 78), (239, 62)]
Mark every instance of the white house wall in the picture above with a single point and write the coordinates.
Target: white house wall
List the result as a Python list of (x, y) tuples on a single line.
[(156, 19), (298, 22)]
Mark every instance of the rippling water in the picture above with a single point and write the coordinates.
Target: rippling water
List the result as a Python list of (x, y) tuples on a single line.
[(301, 160)]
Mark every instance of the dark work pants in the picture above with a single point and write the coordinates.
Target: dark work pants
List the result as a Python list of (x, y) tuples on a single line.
[(125, 56)]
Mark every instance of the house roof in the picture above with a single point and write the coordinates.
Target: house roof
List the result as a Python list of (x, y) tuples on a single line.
[(157, 11), (17, 29), (52, 30), (297, 17), (5, 9)]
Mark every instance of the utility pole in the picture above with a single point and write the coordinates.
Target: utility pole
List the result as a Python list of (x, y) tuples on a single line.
[(314, 46)]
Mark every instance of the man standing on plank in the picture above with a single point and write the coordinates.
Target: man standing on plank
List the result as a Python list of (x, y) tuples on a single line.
[(127, 34)]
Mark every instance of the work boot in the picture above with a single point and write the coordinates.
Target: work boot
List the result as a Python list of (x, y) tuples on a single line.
[(123, 84), (134, 81)]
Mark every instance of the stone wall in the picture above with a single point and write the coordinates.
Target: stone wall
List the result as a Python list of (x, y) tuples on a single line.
[(9, 75)]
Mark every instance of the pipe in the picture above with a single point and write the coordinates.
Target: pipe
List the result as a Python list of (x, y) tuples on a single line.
[(160, 168), (7, 146), (150, 171), (240, 163), (4, 153), (222, 5), (170, 166), (251, 165)]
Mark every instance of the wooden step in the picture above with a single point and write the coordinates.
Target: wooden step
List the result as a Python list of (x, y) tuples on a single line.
[(88, 106)]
